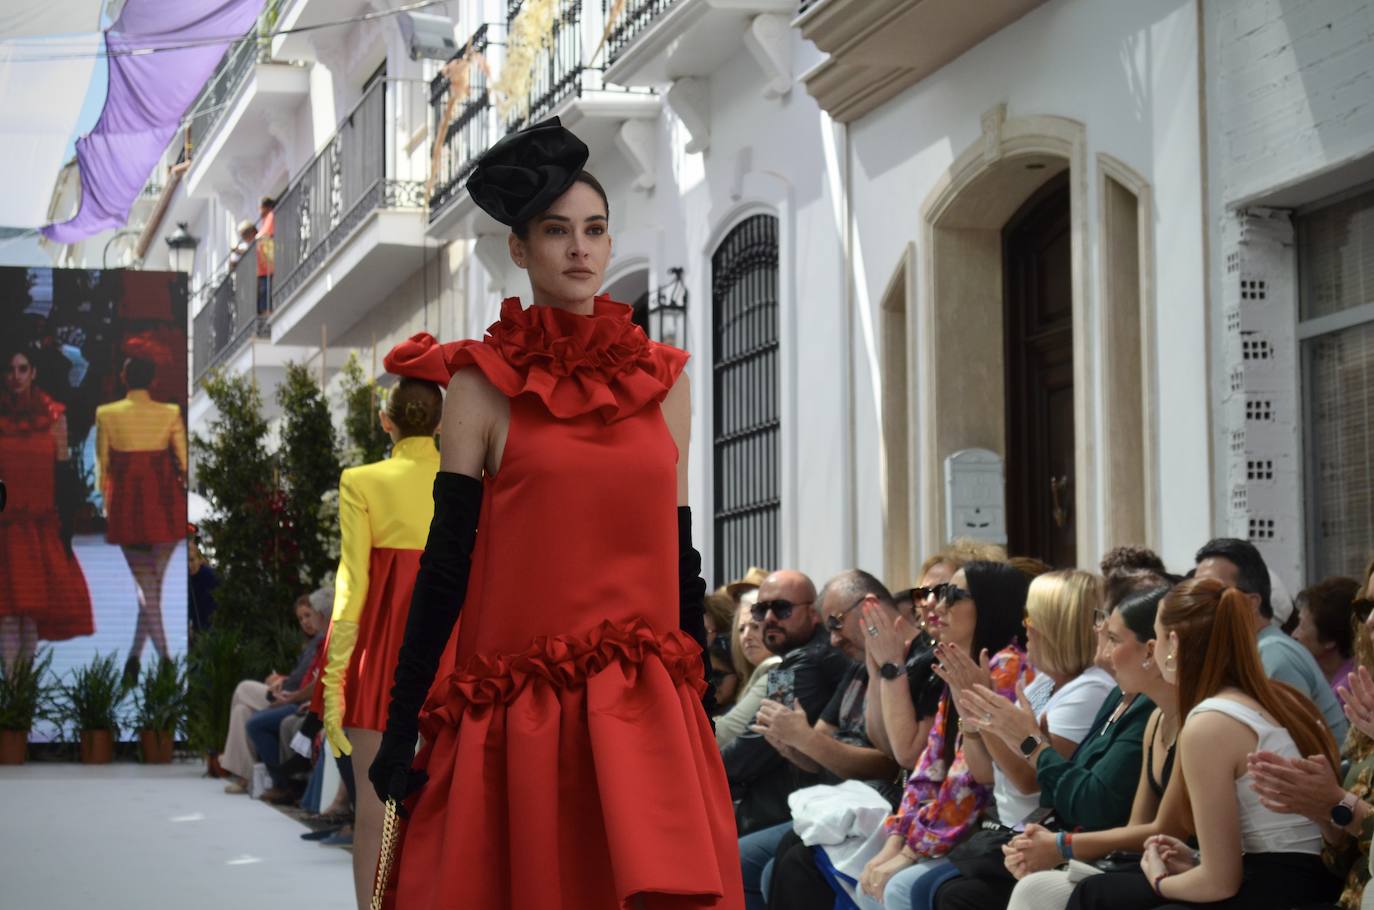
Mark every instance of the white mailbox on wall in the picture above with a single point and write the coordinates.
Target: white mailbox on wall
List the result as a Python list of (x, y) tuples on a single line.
[(975, 496)]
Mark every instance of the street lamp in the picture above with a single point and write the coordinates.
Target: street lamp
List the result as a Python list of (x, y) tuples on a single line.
[(182, 248), (668, 312)]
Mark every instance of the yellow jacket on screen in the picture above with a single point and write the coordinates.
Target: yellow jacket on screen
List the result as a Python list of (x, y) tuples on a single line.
[(137, 424)]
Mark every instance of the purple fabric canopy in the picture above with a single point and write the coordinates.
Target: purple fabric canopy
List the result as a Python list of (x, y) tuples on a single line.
[(148, 94)]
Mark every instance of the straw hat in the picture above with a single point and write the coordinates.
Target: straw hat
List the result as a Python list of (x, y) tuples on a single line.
[(748, 582)]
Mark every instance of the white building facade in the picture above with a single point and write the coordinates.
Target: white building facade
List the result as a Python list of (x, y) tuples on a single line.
[(1075, 238)]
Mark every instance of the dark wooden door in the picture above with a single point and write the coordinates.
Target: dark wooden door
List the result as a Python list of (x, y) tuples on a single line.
[(1038, 321)]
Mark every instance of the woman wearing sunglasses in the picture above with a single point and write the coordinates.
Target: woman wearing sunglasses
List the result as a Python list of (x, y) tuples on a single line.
[(980, 612)]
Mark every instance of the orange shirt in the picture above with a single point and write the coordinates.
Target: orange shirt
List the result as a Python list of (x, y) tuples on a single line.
[(267, 244)]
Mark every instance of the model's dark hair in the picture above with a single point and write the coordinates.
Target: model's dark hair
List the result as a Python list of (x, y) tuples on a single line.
[(1138, 610), (1330, 603), (522, 230), (1252, 575), (1123, 584), (139, 373), (1131, 557), (268, 203), (415, 406)]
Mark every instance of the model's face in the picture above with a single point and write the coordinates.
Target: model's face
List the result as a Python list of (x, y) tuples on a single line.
[(567, 248), (954, 623), (19, 375), (750, 635)]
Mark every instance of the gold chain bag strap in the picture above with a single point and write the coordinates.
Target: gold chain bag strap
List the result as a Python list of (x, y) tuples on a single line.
[(391, 825)]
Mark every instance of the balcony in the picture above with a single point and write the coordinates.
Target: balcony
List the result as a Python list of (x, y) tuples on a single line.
[(604, 116), (351, 226), (879, 48), (229, 317), (301, 20), (242, 116)]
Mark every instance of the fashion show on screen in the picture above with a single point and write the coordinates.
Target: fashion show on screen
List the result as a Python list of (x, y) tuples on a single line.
[(687, 454)]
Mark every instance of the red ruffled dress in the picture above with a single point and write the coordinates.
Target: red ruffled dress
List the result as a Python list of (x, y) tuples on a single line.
[(39, 579), (570, 762)]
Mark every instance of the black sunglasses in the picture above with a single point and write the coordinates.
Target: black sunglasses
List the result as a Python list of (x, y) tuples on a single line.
[(925, 592), (836, 622), (952, 594), (781, 608)]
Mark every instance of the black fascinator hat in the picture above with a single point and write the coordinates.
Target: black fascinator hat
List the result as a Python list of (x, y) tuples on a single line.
[(524, 173)]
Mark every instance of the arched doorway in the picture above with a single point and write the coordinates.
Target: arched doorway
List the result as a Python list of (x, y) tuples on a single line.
[(1039, 368), (746, 411)]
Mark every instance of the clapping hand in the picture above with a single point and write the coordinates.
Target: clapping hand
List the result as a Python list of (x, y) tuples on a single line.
[(1011, 721), (959, 671), (1358, 697), (1295, 786), (887, 635), (781, 724)]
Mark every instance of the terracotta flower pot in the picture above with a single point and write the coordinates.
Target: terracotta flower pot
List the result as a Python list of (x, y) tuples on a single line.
[(14, 746), (97, 747), (157, 747)]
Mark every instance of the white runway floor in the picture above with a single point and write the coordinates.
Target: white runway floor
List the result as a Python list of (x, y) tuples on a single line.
[(134, 837)]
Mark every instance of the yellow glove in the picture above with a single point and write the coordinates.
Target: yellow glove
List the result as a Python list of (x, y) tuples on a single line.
[(343, 635)]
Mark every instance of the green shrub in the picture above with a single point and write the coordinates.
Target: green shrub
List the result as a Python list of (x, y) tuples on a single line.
[(160, 699), (25, 691), (91, 696)]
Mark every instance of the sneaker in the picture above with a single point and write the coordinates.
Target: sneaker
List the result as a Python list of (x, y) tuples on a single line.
[(235, 788), (340, 838), (323, 833)]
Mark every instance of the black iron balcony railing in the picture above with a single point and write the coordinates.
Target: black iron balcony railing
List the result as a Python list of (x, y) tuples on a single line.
[(351, 177), (214, 100), (559, 72), (231, 315), (634, 20), (470, 131)]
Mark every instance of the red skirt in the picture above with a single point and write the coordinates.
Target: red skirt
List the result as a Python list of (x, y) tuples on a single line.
[(575, 775), (40, 580), (145, 502), (367, 686)]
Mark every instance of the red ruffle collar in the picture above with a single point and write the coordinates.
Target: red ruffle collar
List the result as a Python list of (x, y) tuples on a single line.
[(34, 413), (574, 364)]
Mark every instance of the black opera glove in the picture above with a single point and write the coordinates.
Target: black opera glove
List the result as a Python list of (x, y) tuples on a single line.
[(691, 599), (440, 588)]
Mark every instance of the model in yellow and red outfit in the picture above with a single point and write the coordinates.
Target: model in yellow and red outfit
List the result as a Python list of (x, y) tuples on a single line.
[(384, 513), (141, 465)]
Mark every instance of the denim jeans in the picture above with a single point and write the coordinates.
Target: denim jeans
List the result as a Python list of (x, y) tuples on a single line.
[(906, 885), (264, 733), (756, 853)]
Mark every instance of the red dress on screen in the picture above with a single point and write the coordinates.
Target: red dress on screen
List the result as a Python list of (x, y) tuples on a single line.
[(570, 762), (39, 579)]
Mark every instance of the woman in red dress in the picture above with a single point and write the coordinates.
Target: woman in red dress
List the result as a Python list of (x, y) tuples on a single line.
[(141, 462), (569, 762), (43, 594)]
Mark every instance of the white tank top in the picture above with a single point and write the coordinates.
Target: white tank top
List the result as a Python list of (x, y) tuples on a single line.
[(1264, 830)]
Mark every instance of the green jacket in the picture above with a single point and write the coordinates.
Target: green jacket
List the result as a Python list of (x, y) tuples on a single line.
[(1094, 789)]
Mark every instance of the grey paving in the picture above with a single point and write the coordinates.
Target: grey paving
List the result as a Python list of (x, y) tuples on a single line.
[(133, 837)]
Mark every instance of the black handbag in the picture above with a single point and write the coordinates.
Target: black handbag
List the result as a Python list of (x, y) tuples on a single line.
[(980, 854)]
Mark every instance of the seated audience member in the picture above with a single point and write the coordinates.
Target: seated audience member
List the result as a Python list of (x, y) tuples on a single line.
[(1087, 787), (807, 676), (252, 696), (1305, 785), (719, 617), (1248, 855), (752, 661), (979, 613), (1131, 558), (1238, 564), (270, 730), (836, 747), (1326, 626), (1031, 857), (902, 702)]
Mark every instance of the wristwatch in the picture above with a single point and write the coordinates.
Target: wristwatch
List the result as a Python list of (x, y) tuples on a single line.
[(890, 670), (1343, 813), (1030, 744)]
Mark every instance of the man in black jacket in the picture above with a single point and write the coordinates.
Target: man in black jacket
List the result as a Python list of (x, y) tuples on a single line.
[(810, 672)]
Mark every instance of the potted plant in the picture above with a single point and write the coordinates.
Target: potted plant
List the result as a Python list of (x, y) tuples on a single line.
[(217, 664), (160, 709), (24, 696), (89, 704)]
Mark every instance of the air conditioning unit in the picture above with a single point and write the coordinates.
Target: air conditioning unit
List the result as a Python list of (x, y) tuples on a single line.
[(428, 37)]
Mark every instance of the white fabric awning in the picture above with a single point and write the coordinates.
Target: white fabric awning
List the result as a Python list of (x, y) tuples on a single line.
[(48, 52)]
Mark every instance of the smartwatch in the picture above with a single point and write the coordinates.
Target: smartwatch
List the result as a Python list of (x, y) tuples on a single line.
[(1030, 744), (1343, 813), (890, 670)]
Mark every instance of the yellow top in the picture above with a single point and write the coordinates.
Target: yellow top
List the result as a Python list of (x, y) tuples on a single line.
[(136, 423), (387, 504)]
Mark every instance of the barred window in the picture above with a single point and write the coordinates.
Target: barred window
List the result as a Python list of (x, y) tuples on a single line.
[(744, 298)]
